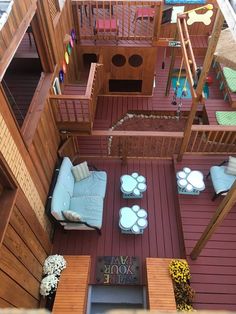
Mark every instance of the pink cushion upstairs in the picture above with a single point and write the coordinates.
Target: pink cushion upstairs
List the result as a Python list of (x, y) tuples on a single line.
[(107, 25), (145, 12)]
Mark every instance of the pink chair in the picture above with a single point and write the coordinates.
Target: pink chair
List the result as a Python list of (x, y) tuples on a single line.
[(144, 13), (106, 25)]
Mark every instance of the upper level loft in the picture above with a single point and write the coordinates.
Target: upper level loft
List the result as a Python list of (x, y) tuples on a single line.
[(122, 21)]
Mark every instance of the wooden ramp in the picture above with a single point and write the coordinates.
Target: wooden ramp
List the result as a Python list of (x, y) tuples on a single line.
[(72, 291), (160, 288)]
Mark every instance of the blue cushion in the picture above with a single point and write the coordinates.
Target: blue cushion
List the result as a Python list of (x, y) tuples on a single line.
[(65, 176), (90, 209), (221, 180), (60, 201), (94, 185)]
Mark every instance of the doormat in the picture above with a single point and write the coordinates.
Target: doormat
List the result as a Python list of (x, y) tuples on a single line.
[(117, 270)]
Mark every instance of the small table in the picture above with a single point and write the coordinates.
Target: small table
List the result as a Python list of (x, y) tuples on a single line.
[(190, 181), (133, 220), (133, 186)]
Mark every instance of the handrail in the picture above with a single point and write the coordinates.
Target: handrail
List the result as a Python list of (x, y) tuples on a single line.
[(138, 133), (223, 128), (91, 79), (123, 144), (69, 97)]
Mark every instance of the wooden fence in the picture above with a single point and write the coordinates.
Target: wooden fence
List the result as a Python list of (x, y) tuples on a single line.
[(76, 113), (124, 144), (212, 139), (124, 20), (204, 139)]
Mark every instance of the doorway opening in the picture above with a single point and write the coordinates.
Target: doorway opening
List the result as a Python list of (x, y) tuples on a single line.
[(103, 298), (125, 86)]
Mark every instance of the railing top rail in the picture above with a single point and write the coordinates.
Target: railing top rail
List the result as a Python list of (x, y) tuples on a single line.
[(130, 134), (223, 128), (90, 82), (69, 97), (133, 2)]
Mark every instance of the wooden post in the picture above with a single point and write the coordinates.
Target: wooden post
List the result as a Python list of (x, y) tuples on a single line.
[(172, 63), (223, 209), (157, 21), (210, 52), (206, 66)]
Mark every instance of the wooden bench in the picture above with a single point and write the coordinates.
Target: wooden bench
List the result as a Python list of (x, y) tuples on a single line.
[(159, 283), (228, 95), (72, 291)]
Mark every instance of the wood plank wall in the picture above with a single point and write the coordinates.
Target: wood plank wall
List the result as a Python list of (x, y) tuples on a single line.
[(63, 24), (43, 148), (41, 134), (23, 251)]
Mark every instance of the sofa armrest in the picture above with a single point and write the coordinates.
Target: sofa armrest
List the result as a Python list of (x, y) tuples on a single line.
[(80, 223)]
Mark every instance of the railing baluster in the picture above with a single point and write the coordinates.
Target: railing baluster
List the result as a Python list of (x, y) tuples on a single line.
[(232, 143), (194, 141), (207, 140), (67, 111), (220, 141)]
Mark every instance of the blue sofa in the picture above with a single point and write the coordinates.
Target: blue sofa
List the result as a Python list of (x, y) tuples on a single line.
[(84, 197)]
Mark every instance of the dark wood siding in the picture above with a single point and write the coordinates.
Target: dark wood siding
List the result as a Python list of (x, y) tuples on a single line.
[(24, 249)]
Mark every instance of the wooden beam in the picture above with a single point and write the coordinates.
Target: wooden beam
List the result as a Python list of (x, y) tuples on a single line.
[(210, 52), (223, 209), (132, 133), (186, 57), (206, 66), (172, 64)]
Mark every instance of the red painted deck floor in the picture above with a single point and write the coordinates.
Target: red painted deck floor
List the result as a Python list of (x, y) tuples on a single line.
[(110, 109), (162, 238), (214, 271)]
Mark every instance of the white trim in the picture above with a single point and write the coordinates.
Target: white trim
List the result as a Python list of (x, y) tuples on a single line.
[(56, 86), (229, 15), (61, 4), (5, 6)]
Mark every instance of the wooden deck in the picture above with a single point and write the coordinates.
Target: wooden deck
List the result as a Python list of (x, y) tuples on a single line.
[(162, 238), (214, 271), (110, 109)]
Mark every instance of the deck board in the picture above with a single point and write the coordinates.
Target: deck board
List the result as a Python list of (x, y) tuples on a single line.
[(111, 109), (214, 271), (160, 239)]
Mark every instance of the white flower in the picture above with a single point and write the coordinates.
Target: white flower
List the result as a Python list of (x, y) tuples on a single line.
[(48, 285), (54, 264)]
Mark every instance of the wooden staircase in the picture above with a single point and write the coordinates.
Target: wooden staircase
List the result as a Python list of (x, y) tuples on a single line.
[(74, 110)]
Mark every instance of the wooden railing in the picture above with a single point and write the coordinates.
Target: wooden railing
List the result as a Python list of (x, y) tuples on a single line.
[(212, 139), (123, 144), (76, 112), (204, 139), (14, 29), (123, 21), (94, 86)]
